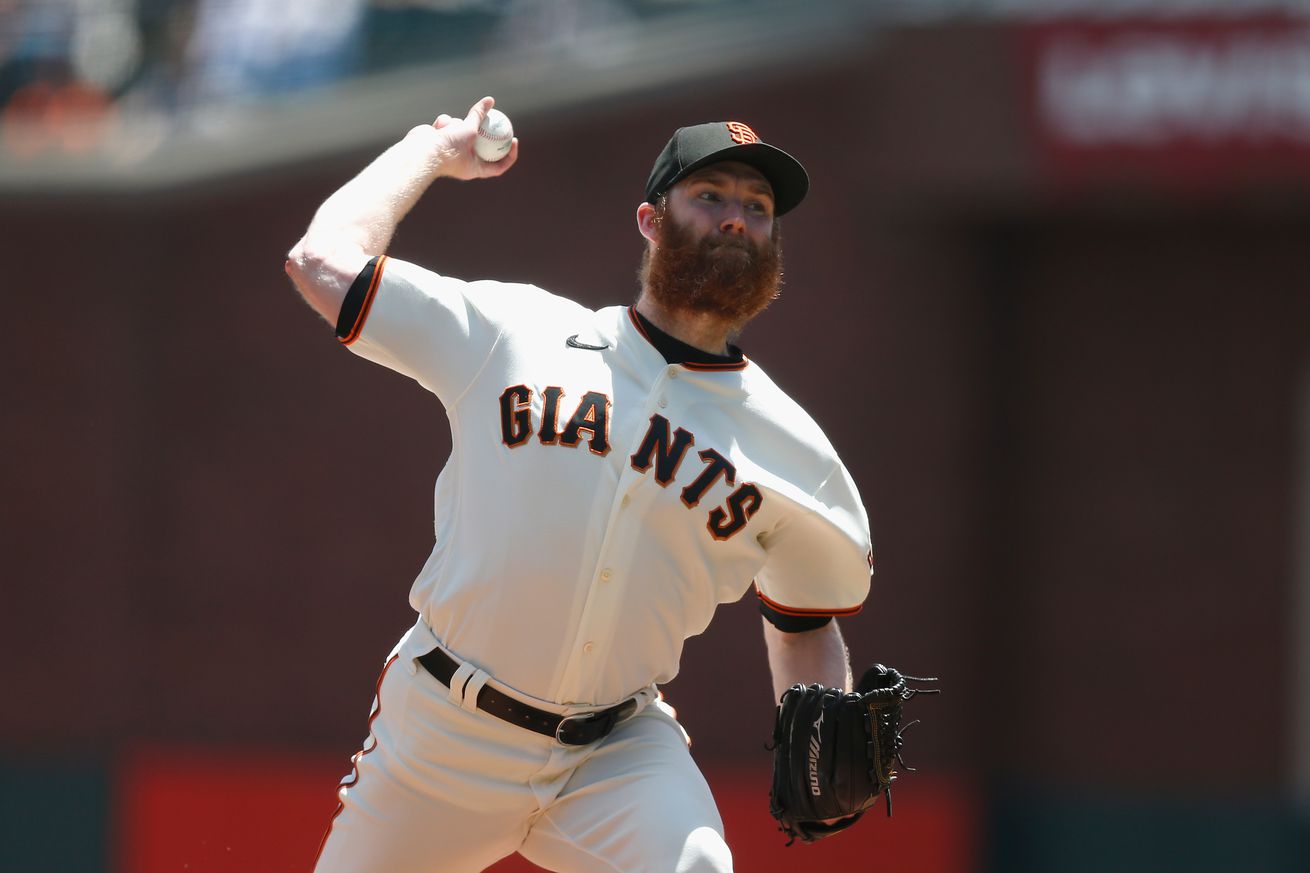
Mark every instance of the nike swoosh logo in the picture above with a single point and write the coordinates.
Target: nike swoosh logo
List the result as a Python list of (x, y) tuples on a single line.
[(572, 342)]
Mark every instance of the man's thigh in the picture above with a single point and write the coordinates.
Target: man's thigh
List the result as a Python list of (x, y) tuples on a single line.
[(638, 803), (438, 789)]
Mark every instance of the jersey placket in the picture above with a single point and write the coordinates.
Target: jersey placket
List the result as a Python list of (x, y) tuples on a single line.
[(611, 574)]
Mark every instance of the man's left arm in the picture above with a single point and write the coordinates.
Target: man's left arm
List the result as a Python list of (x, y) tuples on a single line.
[(806, 657)]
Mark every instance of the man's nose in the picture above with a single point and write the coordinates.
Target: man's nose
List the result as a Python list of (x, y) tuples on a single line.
[(733, 222)]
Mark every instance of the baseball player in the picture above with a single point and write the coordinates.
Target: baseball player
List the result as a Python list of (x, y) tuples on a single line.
[(614, 476)]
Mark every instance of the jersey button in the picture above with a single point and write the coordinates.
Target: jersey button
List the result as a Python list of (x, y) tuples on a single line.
[(663, 402), (588, 647), (673, 372), (607, 574), (625, 501)]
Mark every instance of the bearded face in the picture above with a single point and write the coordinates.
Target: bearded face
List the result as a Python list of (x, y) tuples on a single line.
[(726, 276)]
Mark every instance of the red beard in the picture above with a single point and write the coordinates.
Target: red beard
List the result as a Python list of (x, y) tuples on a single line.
[(728, 277)]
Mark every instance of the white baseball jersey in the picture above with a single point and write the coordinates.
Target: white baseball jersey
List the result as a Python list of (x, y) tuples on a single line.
[(598, 502)]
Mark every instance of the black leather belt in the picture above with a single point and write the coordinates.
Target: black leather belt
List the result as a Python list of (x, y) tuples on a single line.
[(571, 730)]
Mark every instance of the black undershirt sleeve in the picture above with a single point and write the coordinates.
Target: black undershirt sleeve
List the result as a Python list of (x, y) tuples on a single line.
[(355, 299), (792, 624)]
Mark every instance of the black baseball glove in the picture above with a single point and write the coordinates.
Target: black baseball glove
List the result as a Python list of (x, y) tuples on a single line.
[(834, 752)]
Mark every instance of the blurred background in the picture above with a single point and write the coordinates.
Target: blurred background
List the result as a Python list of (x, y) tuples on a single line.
[(1050, 297)]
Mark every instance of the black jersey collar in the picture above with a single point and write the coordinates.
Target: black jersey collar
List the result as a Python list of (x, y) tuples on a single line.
[(675, 351)]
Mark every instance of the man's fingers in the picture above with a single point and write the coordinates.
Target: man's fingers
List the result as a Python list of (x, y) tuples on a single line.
[(478, 111), (492, 169), (442, 120), (508, 161)]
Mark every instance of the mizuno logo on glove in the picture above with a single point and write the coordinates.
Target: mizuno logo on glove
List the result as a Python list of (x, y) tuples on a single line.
[(815, 745)]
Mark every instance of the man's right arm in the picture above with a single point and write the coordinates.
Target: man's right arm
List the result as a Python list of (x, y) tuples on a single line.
[(357, 222)]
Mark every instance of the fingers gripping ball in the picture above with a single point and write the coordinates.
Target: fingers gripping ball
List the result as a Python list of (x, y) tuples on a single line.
[(495, 136), (835, 753)]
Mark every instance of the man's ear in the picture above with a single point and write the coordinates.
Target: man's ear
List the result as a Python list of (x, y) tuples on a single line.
[(646, 221)]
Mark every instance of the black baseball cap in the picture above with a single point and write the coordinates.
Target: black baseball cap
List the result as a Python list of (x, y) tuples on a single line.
[(700, 145)]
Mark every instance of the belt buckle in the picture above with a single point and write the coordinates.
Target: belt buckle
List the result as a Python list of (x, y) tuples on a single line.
[(580, 717)]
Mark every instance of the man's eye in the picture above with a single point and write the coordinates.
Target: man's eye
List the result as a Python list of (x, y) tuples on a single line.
[(710, 196), (758, 207)]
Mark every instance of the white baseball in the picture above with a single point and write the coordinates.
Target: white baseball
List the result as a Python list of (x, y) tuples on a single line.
[(494, 136)]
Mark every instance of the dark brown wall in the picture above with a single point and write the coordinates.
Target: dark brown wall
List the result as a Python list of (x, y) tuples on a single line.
[(1142, 490), (1072, 428)]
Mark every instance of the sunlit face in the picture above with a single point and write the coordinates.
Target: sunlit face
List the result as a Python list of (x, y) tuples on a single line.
[(714, 245), (727, 200)]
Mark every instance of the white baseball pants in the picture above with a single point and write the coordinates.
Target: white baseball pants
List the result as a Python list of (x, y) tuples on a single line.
[(443, 788)]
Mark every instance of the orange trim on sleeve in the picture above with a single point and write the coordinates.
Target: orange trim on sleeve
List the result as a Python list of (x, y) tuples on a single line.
[(358, 327), (800, 611)]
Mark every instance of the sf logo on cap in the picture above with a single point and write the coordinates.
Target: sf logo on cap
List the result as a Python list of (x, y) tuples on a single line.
[(741, 134)]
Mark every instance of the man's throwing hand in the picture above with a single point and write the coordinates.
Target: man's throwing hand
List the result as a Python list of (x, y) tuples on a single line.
[(456, 140)]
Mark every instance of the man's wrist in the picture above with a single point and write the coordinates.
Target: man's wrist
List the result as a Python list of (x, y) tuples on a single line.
[(428, 147)]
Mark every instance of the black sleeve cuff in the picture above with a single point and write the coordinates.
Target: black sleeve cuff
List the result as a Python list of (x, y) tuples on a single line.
[(358, 300), (792, 624)]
